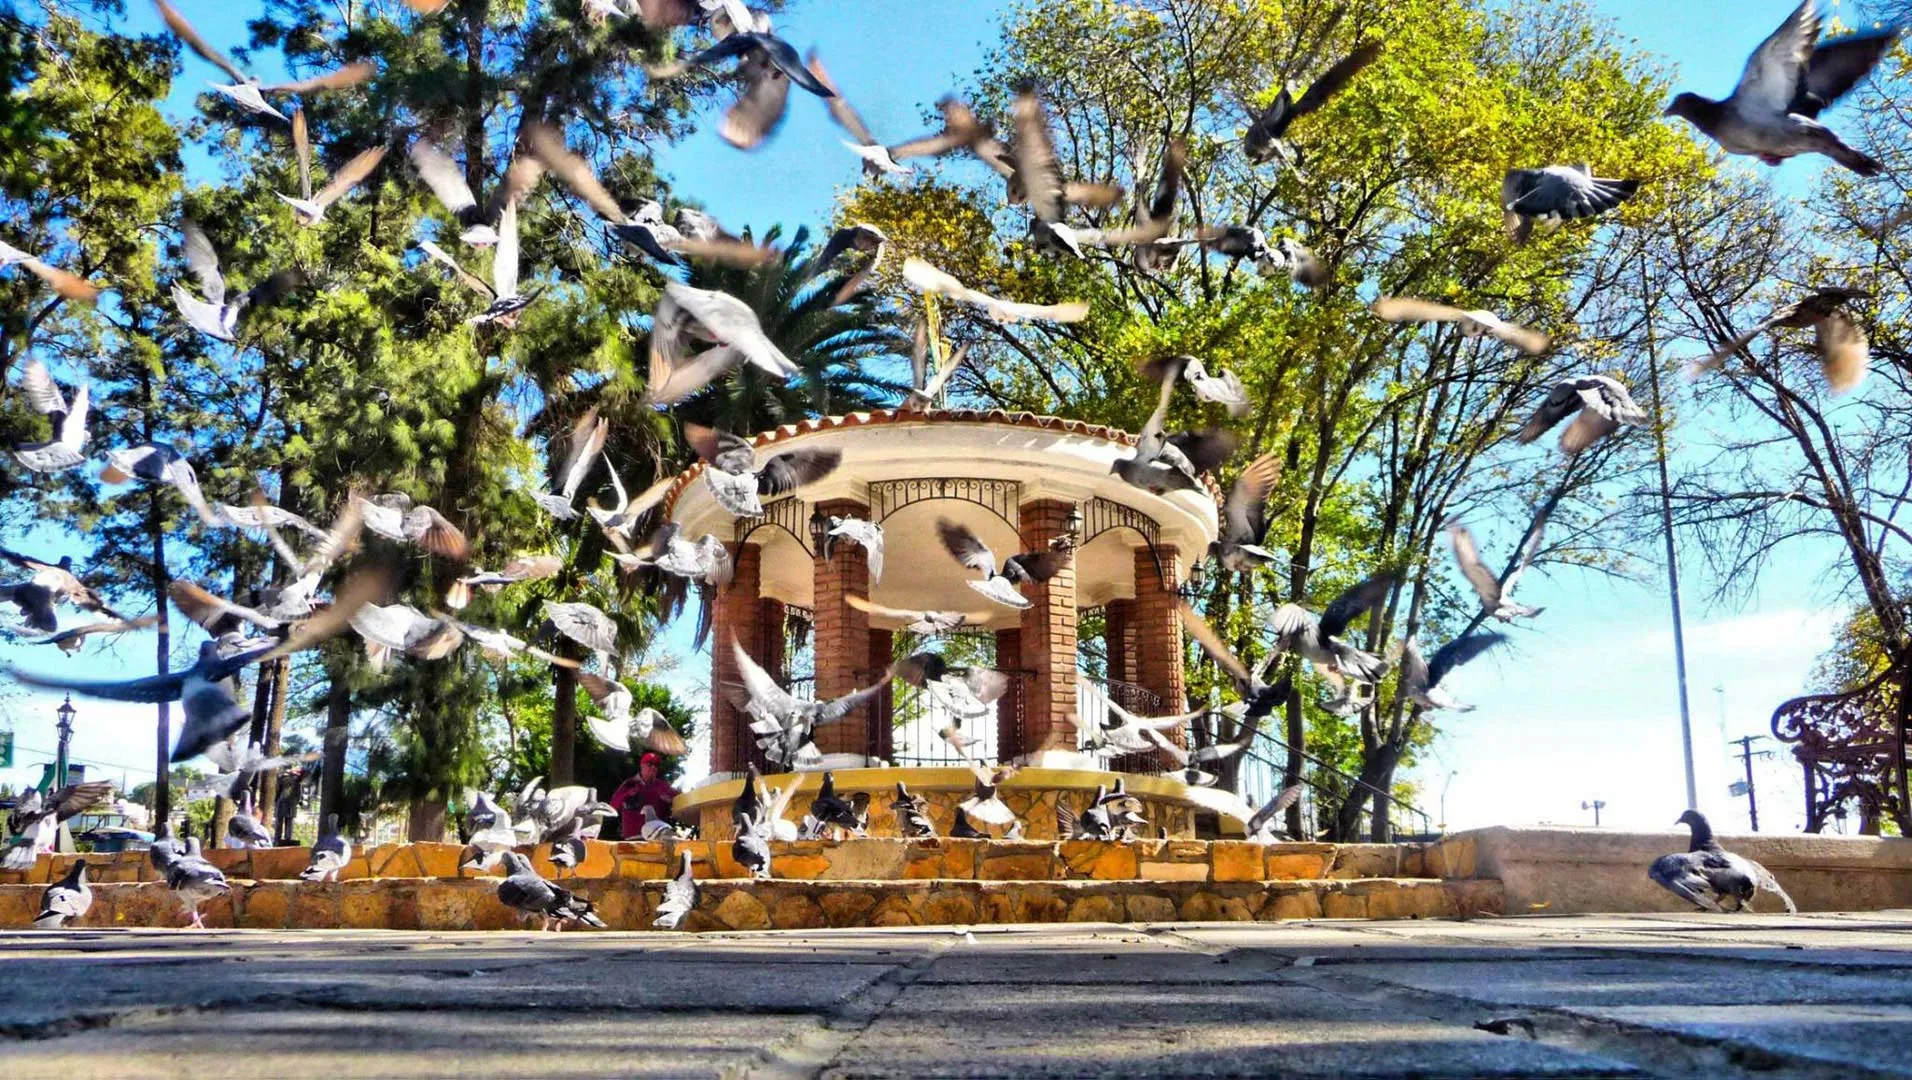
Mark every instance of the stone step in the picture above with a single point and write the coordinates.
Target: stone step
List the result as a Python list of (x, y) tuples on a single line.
[(728, 904), (859, 859)]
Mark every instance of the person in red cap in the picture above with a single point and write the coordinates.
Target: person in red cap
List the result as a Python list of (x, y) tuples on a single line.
[(647, 788)]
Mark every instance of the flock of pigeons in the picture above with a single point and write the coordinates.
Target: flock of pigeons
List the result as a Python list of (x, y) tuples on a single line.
[(700, 335)]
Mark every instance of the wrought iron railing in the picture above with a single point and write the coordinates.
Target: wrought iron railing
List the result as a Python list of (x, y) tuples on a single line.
[(1324, 789)]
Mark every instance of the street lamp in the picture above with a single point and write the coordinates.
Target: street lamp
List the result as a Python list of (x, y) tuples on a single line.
[(66, 713), (1072, 525), (819, 530), (1197, 581)]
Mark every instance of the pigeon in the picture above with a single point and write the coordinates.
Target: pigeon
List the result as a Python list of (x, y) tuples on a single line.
[(621, 728), (586, 442), (159, 463), (244, 830), (751, 847), (729, 325), (961, 828), (1285, 256), (965, 690), (1162, 462), (657, 828), (520, 568), (680, 897), (1092, 824), (492, 835), (1556, 193), (851, 814), (1843, 349), (706, 562), (246, 91), (1602, 402), (73, 638), (1000, 585), (1267, 134), (447, 182), (217, 316), (928, 623), (1473, 323), (784, 725), (532, 896), (1245, 517), (767, 66), (544, 816), (295, 599), (961, 131), (1707, 875), (395, 517), (767, 805), (64, 449), (67, 285), (1318, 639), (583, 624), (1421, 679), (216, 614), (568, 851), (984, 805), (405, 630), (35, 822), (1034, 177), (1261, 827), (1122, 731), (1789, 80), (504, 302), (860, 237), (266, 516), (867, 535), (925, 278), (330, 852), (621, 518), (1258, 698), (1496, 595), (194, 880), (309, 209), (1224, 389), (912, 814), (738, 481), (60, 585), (877, 159), (68, 898), (1191, 761), (926, 391)]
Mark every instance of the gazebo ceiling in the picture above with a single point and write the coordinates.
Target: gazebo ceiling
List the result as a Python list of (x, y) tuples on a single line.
[(1039, 457)]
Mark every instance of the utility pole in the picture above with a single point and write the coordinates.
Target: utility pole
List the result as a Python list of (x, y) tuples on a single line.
[(1746, 756), (1672, 557), (1595, 805)]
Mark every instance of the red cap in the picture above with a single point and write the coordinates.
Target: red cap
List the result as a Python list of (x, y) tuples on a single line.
[(650, 758)]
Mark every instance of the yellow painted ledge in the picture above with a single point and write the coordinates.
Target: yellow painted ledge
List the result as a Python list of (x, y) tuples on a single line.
[(931, 779)]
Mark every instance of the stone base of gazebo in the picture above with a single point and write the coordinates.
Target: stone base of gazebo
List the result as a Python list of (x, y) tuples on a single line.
[(1033, 794)]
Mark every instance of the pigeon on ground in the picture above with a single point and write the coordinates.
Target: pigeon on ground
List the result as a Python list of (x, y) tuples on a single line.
[(1318, 638), (680, 897), (657, 828), (35, 822), (447, 182), (159, 463), (1602, 402), (68, 898), (583, 624), (766, 805), (218, 314), (66, 448), (567, 851), (984, 805), (623, 728), (1421, 679), (928, 623), (309, 209), (1000, 585), (1496, 595), (492, 835), (1261, 827), (544, 816), (1789, 80), (912, 814), (1472, 323), (1556, 193), (194, 880), (751, 847), (330, 852), (961, 828), (244, 831), (504, 303), (1843, 349), (867, 535), (738, 481), (851, 814), (925, 278), (686, 317), (1267, 136), (1245, 517), (785, 725), (1707, 874), (246, 91), (395, 517), (532, 896), (68, 286)]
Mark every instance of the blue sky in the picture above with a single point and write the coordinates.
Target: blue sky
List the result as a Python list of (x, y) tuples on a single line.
[(1585, 708)]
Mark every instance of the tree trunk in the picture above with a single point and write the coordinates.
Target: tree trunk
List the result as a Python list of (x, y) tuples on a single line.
[(222, 811), (275, 723), (1376, 772), (338, 728), (564, 725), (426, 823), (163, 649)]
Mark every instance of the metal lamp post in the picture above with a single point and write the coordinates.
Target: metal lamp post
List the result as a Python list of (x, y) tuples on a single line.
[(66, 713)]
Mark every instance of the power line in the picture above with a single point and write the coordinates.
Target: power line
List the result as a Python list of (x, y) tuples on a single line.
[(85, 761)]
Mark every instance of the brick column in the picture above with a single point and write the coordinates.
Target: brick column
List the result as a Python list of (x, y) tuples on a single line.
[(1009, 741), (1117, 618), (731, 743), (1158, 635), (883, 709), (842, 635), (1049, 635)]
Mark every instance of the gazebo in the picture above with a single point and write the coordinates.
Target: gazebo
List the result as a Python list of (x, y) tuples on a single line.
[(1020, 482)]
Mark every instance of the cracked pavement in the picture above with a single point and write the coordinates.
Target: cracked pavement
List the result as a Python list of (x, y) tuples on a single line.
[(1584, 996)]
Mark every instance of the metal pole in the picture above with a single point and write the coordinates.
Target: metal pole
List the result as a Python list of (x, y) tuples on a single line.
[(1745, 744), (1672, 557), (65, 728)]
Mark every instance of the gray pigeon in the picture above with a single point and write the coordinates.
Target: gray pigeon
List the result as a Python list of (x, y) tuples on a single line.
[(1267, 135), (1262, 828), (1602, 403), (738, 481), (1000, 585), (68, 898), (680, 897), (1789, 80), (330, 852), (1496, 595), (1556, 193), (1318, 638), (243, 830), (532, 896), (851, 814), (784, 724), (218, 314), (35, 822), (1707, 874), (65, 449), (912, 814), (194, 880), (1421, 679), (1245, 517), (158, 463)]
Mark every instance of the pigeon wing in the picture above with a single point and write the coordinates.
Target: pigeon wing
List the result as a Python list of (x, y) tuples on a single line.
[(1350, 605), (966, 546), (1838, 65), (1458, 652), (1776, 70), (790, 471), (1467, 556)]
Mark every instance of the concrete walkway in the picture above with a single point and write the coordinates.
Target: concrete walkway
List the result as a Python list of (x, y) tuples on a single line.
[(1712, 996)]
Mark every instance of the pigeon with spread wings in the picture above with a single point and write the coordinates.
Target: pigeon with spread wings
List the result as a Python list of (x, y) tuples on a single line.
[(246, 90), (1602, 403), (217, 316), (1496, 595), (1267, 135), (65, 449), (999, 584), (1473, 324), (783, 724), (738, 480), (1843, 349)]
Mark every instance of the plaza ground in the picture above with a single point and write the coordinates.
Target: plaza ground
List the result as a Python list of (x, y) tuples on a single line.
[(1633, 995)]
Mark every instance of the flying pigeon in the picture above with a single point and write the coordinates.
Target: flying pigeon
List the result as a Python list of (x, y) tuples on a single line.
[(784, 725), (925, 278), (583, 624), (685, 315), (1707, 874), (1318, 639), (1224, 389), (158, 463), (55, 583), (1286, 255), (1789, 80), (218, 314), (68, 898), (1496, 595), (447, 182), (867, 535), (238, 765), (680, 897), (1421, 679), (1473, 323), (1556, 193), (930, 671), (395, 517), (623, 516), (1267, 135), (857, 236), (999, 585), (35, 822), (919, 622), (621, 728), (876, 157), (504, 302), (1602, 402), (532, 896), (64, 449), (1261, 827), (309, 209), (1122, 731), (405, 630), (767, 65), (983, 804), (926, 391), (73, 638), (67, 285), (246, 90), (520, 568), (1843, 349), (586, 442), (192, 878), (1258, 698), (738, 481), (1162, 462), (1245, 517), (706, 561), (330, 852)]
